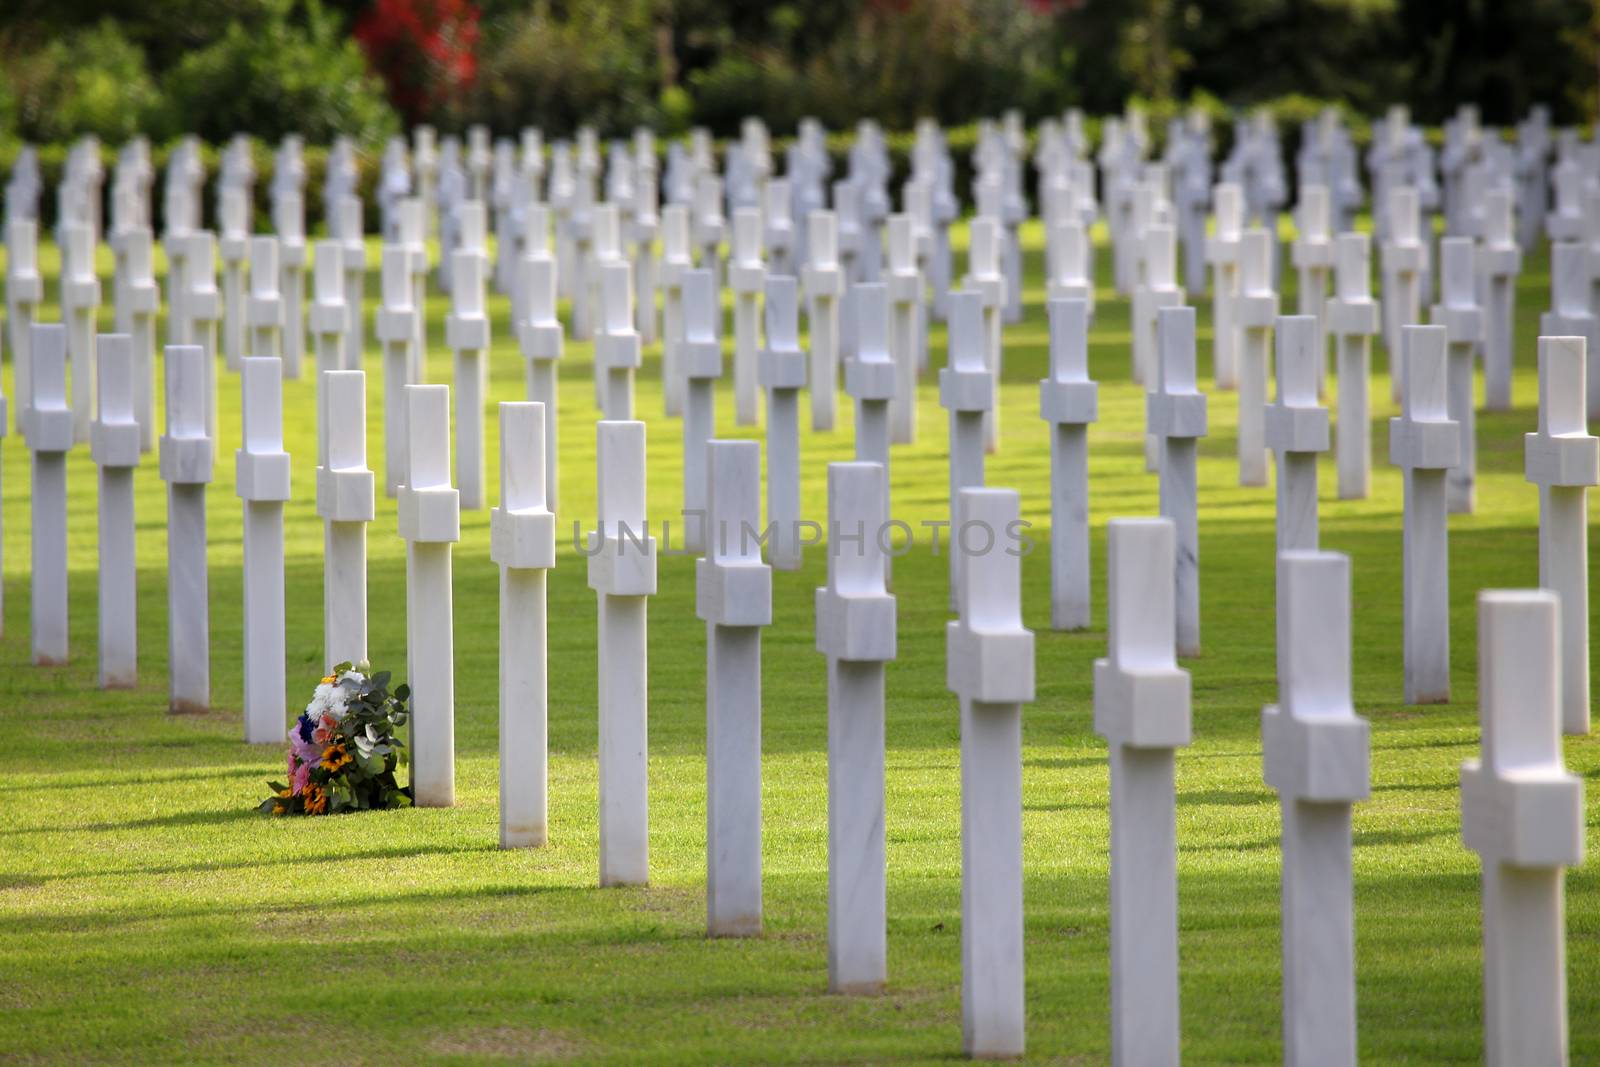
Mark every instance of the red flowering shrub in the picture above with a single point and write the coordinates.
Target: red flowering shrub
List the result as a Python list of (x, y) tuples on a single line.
[(425, 51)]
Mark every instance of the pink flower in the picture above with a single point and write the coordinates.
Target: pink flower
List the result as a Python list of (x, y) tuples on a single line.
[(299, 777)]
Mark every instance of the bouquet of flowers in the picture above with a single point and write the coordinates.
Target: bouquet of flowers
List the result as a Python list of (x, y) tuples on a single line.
[(343, 750)]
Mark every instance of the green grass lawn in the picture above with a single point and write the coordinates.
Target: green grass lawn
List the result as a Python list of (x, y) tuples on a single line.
[(149, 915)]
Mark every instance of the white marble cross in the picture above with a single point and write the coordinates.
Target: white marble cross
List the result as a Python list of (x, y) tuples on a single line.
[(642, 229), (783, 374), (413, 225), (778, 230), (114, 445), (289, 220), (1405, 260), (989, 665), (1569, 314), (605, 250), (733, 594), (50, 437), (905, 302), (466, 331), (823, 280), (847, 217), (233, 242), (522, 540), (870, 377), (1499, 263), (617, 342), (80, 303), (1315, 755), (430, 521), (345, 502), (541, 339), (1176, 416), (1068, 253), (329, 316), (350, 232), (856, 631), (262, 482), (1069, 402), (186, 458), (622, 572), (1142, 709), (202, 304), (1312, 253), (395, 326), (700, 356), (1255, 311), (1297, 430), (966, 391), (265, 307), (984, 278), (1157, 290), (708, 224), (747, 274), (1563, 460), (1425, 443), (1353, 320), (24, 294), (675, 260), (1522, 812), (1457, 311)]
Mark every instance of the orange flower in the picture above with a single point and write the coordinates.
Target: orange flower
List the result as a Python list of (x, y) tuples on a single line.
[(316, 800), (334, 757)]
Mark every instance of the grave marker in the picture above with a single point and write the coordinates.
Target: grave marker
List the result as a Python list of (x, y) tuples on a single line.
[(1069, 402), (541, 340), (80, 304), (1156, 291), (1499, 261), (1425, 443), (24, 294), (617, 344), (856, 632), (262, 480), (747, 275), (1523, 814), (1313, 259), (1563, 459), (186, 458), (622, 572), (700, 354), (466, 331), (395, 325), (522, 540), (233, 243), (289, 218), (870, 377), (1142, 709), (1315, 755), (345, 503), (430, 521), (1569, 314), (50, 437), (905, 302), (783, 374), (1353, 320), (989, 665), (985, 279), (824, 283), (1405, 259), (733, 594), (966, 390), (675, 260), (1297, 430), (115, 449), (1458, 312), (265, 309), (1176, 415), (1255, 310)]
